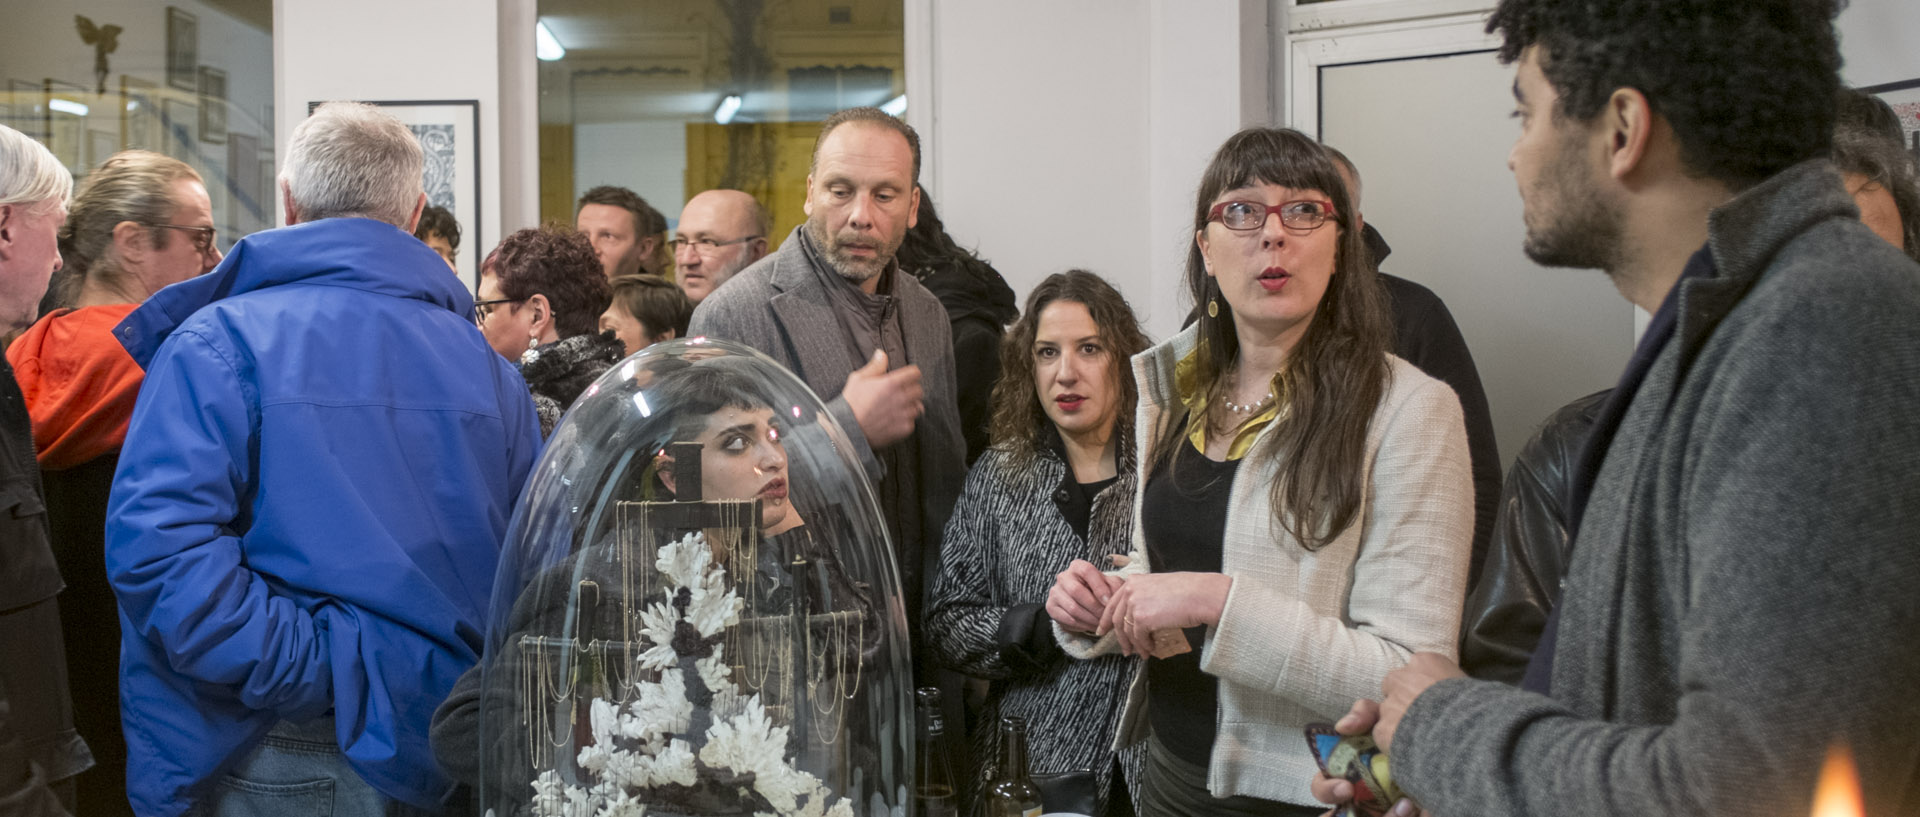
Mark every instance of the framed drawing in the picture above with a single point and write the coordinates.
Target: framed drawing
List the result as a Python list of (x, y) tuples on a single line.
[(140, 114), (449, 134), (178, 120), (183, 49), (1904, 97), (213, 106), (68, 107)]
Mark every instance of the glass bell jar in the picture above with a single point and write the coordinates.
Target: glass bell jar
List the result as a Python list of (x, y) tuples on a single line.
[(697, 608)]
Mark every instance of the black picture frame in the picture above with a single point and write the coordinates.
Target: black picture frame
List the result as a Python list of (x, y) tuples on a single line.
[(183, 49), (449, 130), (213, 105)]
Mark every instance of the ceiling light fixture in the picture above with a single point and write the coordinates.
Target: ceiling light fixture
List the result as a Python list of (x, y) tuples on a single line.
[(67, 106), (729, 105), (544, 45), (895, 106)]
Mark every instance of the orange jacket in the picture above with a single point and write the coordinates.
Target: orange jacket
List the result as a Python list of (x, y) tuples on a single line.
[(78, 381)]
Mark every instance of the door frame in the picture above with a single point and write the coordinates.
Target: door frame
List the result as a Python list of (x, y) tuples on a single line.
[(1310, 51)]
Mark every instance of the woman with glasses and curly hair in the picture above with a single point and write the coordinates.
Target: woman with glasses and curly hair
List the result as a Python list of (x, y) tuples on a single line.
[(1305, 506), (1055, 486), (541, 296)]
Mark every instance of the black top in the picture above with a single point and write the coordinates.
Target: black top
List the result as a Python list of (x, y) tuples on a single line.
[(1076, 501), (1183, 516)]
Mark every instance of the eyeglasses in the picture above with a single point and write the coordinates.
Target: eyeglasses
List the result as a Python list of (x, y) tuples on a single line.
[(1300, 216), (202, 236), (707, 245), (481, 309)]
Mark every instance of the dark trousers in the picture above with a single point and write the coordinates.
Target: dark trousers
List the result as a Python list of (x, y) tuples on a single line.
[(1173, 787)]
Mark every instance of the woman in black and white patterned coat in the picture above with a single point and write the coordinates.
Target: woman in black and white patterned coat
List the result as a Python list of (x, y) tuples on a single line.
[(1056, 485)]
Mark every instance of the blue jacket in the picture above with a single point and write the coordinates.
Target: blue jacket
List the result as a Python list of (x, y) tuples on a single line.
[(309, 506)]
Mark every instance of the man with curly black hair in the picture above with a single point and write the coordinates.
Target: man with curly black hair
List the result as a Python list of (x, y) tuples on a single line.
[(1741, 581), (441, 231)]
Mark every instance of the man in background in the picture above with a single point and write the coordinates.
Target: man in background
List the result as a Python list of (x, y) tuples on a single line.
[(626, 232), (441, 231), (721, 232)]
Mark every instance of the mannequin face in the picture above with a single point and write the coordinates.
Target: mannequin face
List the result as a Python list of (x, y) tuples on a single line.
[(742, 457)]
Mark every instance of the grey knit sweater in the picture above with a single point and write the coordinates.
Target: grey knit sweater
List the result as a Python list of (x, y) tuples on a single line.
[(1744, 588)]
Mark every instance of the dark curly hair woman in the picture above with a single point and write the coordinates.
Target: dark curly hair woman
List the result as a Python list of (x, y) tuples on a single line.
[(541, 295)]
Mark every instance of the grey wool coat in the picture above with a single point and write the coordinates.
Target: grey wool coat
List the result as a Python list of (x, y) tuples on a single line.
[(1744, 589), (781, 307)]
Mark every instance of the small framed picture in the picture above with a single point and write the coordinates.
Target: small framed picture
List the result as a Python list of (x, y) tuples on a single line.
[(213, 106), (179, 119), (29, 107), (100, 145), (68, 108), (140, 114), (183, 49)]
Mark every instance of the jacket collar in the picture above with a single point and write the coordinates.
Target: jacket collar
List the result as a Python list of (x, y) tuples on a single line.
[(354, 253), (1744, 235)]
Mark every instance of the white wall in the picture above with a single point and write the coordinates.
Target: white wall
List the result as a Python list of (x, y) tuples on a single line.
[(385, 50), (629, 155), (1076, 137), (1878, 40)]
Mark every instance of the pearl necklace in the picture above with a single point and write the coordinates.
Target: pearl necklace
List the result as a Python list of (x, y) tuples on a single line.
[(1248, 408)]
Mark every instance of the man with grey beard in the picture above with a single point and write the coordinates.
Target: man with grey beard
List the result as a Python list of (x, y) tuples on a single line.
[(832, 306)]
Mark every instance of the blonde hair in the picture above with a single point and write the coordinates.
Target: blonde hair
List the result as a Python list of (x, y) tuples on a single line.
[(133, 185)]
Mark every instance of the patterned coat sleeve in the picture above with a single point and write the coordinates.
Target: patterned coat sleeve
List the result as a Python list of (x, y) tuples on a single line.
[(963, 615)]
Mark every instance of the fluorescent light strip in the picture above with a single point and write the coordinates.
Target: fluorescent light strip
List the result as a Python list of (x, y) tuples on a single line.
[(544, 45), (67, 106), (729, 105), (895, 106)]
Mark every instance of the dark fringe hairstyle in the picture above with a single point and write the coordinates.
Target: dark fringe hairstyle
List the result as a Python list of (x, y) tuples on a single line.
[(1337, 374), (1018, 420)]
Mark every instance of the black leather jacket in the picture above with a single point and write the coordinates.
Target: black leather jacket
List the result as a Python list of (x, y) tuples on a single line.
[(1526, 556)]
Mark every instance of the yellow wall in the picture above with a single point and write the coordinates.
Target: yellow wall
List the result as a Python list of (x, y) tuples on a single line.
[(767, 160)]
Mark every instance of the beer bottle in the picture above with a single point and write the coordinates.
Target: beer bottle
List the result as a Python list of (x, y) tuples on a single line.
[(1013, 794), (933, 791)]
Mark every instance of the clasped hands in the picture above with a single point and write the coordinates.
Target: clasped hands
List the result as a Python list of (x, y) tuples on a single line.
[(1133, 608)]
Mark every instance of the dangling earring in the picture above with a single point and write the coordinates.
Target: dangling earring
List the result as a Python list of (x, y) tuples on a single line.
[(1213, 308), (532, 341)]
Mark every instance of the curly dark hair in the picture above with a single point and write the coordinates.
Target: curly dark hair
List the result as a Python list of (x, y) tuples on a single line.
[(1747, 85), (1338, 372), (559, 264), (438, 221), (655, 301), (1018, 419), (646, 220)]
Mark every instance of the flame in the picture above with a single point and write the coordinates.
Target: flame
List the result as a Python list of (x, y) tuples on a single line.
[(1838, 793)]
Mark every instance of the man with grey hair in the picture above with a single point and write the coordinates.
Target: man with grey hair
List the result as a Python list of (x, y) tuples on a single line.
[(39, 750), (303, 528)]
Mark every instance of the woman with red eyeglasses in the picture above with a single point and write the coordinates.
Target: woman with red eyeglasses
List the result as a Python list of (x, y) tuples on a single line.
[(140, 222), (1305, 501)]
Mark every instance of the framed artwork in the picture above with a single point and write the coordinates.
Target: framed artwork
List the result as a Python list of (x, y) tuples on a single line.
[(183, 49), (67, 111), (28, 107), (178, 120), (449, 134), (1904, 97), (243, 168), (213, 105), (140, 114), (269, 192)]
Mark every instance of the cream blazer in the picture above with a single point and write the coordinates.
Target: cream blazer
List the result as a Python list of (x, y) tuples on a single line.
[(1304, 634)]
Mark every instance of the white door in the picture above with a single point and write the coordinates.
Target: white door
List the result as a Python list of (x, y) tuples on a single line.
[(1430, 135)]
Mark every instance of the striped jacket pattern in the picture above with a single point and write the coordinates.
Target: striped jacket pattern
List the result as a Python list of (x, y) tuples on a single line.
[(1003, 545)]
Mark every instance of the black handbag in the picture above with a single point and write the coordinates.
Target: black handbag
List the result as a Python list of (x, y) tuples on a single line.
[(1075, 791)]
